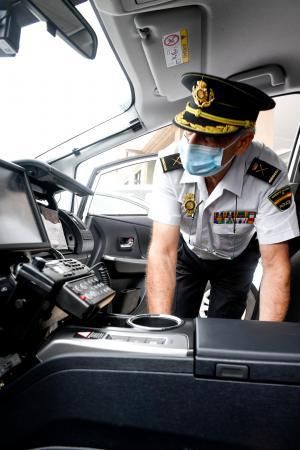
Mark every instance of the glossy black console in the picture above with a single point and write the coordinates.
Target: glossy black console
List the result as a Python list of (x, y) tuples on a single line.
[(248, 351), (131, 394)]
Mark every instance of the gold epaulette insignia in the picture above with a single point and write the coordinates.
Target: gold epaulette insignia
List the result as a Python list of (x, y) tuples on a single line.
[(189, 204), (263, 170), (171, 162)]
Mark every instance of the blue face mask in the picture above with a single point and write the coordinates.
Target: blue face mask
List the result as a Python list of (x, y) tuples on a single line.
[(201, 159)]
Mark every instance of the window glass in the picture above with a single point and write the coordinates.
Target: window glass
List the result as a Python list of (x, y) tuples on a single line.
[(144, 145), (126, 190), (51, 93), (278, 127), (113, 204)]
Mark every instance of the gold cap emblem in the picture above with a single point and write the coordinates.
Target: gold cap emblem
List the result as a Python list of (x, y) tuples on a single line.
[(202, 97), (189, 204)]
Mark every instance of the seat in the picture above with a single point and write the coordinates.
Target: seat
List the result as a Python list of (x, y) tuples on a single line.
[(293, 314)]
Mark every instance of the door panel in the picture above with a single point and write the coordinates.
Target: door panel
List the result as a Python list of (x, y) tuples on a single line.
[(117, 215), (121, 243)]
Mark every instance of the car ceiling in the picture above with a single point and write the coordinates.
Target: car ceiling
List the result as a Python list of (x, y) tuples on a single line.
[(260, 37), (257, 39), (253, 41)]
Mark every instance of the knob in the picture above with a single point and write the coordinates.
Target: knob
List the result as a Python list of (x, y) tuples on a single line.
[(39, 263)]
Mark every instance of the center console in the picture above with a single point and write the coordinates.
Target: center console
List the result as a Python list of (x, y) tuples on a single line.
[(105, 382), (159, 336)]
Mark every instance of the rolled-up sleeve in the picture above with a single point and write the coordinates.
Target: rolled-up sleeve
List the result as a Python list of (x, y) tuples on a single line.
[(164, 206)]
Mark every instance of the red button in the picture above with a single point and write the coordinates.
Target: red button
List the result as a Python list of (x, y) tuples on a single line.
[(83, 297)]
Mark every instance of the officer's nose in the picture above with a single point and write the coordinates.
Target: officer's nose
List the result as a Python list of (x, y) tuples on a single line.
[(192, 138)]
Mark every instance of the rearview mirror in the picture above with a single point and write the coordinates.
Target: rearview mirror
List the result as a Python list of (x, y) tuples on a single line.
[(65, 20)]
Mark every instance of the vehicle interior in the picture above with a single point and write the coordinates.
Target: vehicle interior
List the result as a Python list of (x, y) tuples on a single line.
[(82, 364)]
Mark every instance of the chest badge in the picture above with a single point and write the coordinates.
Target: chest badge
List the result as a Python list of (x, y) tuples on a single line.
[(189, 204)]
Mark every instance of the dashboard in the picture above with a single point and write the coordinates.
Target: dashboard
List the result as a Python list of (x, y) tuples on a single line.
[(44, 256)]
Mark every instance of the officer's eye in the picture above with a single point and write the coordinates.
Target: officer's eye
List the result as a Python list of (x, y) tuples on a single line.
[(187, 135)]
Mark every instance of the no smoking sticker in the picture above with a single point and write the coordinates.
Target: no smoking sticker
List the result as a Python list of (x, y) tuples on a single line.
[(171, 39), (176, 48)]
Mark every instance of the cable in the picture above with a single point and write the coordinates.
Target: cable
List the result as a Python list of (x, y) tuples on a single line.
[(103, 272), (10, 10), (95, 265), (235, 216), (3, 17), (57, 253)]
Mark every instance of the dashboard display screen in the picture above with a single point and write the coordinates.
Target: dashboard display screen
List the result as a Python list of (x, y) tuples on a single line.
[(54, 228), (21, 224)]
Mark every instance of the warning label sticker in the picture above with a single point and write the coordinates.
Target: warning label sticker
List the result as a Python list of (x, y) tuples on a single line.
[(176, 48), (89, 334)]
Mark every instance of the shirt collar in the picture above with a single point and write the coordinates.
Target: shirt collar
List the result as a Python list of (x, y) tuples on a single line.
[(234, 178), (188, 178)]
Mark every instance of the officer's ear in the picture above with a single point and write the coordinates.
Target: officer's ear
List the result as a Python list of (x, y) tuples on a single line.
[(244, 142)]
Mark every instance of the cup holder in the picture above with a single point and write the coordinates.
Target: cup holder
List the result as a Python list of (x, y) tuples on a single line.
[(154, 322)]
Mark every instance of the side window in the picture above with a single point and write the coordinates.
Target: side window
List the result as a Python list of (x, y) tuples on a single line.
[(125, 190), (124, 187), (278, 127)]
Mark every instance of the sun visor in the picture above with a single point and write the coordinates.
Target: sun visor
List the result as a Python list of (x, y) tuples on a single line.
[(172, 42)]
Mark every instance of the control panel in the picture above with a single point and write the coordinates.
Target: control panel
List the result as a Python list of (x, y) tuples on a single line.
[(73, 340), (68, 283), (79, 295)]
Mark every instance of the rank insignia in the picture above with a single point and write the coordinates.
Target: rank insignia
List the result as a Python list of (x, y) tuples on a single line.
[(281, 198), (189, 204), (171, 162), (263, 170)]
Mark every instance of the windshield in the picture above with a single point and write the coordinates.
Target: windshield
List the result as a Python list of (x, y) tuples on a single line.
[(50, 93)]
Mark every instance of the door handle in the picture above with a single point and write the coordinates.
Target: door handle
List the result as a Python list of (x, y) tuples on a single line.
[(126, 243)]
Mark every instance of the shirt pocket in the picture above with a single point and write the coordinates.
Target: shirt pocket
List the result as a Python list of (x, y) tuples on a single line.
[(227, 236)]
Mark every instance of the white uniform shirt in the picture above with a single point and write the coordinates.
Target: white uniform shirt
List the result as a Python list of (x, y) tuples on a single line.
[(211, 232)]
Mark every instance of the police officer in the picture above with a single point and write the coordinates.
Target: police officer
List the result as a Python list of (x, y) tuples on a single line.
[(220, 201)]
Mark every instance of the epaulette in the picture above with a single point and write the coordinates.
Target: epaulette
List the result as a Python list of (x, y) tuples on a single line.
[(263, 170), (171, 162)]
